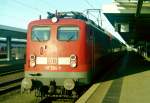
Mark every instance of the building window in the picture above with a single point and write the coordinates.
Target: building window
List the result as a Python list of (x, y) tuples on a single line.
[(122, 27)]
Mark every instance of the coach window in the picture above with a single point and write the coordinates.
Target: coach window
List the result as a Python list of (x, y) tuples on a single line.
[(40, 33), (68, 33)]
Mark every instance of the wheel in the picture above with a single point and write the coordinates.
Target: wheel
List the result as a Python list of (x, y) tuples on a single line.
[(37, 92)]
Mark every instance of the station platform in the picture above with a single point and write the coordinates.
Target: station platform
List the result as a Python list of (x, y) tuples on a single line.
[(129, 82)]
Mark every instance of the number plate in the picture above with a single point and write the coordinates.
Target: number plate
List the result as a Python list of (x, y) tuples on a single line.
[(52, 60), (41, 60)]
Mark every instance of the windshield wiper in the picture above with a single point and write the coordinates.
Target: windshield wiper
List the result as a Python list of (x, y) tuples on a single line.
[(70, 38), (37, 37)]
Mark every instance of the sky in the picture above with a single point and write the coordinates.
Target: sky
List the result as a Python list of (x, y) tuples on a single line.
[(18, 13)]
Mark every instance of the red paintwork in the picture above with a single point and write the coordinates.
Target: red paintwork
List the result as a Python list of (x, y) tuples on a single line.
[(81, 47)]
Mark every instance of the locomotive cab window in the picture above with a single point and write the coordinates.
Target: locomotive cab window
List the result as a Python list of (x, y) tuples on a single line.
[(68, 33), (40, 34)]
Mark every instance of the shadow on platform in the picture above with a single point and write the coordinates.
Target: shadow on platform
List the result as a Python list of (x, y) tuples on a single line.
[(129, 63)]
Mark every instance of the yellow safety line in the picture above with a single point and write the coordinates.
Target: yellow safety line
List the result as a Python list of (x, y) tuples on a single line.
[(88, 93)]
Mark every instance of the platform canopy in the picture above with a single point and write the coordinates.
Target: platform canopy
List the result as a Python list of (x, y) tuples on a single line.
[(131, 18), (12, 32), (128, 6)]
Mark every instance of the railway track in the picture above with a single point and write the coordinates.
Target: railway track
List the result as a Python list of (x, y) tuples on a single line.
[(10, 85), (11, 72), (10, 81)]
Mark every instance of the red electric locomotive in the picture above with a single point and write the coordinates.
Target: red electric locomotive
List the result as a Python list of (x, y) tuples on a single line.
[(61, 53)]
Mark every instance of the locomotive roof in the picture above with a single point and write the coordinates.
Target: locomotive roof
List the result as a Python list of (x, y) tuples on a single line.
[(75, 15), (71, 14)]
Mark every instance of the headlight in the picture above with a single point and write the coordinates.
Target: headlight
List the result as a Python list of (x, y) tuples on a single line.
[(73, 61), (73, 64), (72, 57), (54, 19), (32, 64), (32, 61)]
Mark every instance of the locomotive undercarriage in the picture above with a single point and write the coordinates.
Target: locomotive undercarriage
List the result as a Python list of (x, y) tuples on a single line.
[(58, 88), (55, 92), (50, 90)]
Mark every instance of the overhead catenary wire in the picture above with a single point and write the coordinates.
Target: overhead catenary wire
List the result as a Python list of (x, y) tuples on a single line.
[(28, 6), (47, 3), (88, 3), (87, 11), (93, 17), (116, 35)]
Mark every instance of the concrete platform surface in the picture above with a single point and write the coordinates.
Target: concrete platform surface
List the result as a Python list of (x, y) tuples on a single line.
[(130, 83)]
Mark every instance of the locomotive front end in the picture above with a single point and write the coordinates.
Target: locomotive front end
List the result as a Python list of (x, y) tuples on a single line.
[(57, 58)]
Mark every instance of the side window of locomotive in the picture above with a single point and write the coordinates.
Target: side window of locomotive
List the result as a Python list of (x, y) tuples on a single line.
[(68, 33), (40, 33), (90, 34)]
